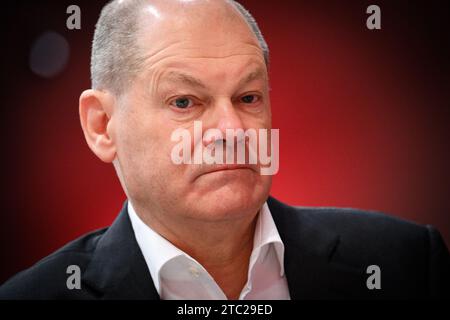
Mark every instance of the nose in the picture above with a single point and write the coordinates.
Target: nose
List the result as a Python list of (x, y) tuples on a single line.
[(223, 116)]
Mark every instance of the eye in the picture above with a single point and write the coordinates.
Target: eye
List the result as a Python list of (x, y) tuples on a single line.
[(249, 99), (182, 103)]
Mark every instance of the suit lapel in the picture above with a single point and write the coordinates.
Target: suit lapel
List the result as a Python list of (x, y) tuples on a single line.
[(310, 247), (118, 269)]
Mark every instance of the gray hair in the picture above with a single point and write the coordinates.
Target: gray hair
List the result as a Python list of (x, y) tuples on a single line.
[(116, 57)]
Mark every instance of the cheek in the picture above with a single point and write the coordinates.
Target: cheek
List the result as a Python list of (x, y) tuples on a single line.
[(144, 150), (260, 120)]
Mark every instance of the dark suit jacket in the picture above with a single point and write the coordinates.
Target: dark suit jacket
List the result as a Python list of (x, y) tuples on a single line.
[(327, 254)]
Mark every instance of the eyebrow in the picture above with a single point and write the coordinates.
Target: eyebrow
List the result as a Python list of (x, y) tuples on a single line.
[(186, 79), (255, 75), (195, 82)]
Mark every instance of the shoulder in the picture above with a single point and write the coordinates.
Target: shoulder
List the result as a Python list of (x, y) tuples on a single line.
[(359, 226), (47, 278), (413, 257)]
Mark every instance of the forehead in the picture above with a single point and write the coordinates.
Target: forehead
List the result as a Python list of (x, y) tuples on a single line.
[(204, 73), (199, 34)]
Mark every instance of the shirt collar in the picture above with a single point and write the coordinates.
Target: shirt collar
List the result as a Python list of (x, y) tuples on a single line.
[(158, 251), (266, 233)]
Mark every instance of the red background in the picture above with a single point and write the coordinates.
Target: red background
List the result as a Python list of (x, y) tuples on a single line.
[(363, 118)]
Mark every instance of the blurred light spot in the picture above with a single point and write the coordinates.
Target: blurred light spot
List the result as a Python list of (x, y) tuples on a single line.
[(49, 54), (153, 11)]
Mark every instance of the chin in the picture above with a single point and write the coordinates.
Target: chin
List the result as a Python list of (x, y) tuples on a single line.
[(232, 201)]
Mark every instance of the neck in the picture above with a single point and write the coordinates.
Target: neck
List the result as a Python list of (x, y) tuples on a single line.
[(223, 248)]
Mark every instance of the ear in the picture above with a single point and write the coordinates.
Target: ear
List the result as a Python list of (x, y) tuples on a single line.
[(96, 114)]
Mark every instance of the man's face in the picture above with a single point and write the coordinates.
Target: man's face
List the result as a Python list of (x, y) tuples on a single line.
[(202, 66)]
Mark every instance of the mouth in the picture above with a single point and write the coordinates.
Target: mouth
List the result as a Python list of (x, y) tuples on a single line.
[(228, 168), (225, 168)]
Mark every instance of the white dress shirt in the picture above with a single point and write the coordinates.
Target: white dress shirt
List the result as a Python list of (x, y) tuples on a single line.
[(177, 276)]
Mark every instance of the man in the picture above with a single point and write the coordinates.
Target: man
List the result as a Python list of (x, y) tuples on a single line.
[(206, 230)]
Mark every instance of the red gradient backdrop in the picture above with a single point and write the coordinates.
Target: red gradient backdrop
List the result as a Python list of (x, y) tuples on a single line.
[(363, 118)]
